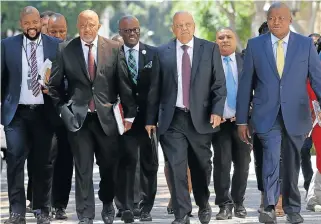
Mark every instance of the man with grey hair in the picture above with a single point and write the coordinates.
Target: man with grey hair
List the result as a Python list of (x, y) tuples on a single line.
[(277, 66)]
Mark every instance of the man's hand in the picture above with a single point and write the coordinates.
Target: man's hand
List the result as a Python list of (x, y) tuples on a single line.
[(149, 129), (233, 119), (128, 125), (244, 133), (223, 120), (215, 120)]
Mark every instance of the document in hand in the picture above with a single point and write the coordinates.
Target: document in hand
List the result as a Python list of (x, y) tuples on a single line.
[(45, 72), (154, 143), (317, 110), (119, 116)]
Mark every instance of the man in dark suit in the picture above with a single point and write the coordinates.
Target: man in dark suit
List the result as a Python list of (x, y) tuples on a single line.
[(96, 71), (139, 58), (186, 100), (63, 160), (227, 145), (276, 67), (24, 113)]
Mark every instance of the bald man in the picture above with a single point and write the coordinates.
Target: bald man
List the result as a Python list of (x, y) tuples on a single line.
[(57, 26), (186, 101), (92, 65), (25, 113)]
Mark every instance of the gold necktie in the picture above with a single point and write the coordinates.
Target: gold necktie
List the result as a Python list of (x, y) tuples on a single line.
[(280, 57)]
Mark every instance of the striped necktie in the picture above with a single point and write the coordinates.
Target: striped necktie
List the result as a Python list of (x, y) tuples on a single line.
[(35, 86), (132, 66)]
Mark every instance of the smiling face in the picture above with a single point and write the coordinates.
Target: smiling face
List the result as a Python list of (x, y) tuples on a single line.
[(183, 27), (226, 41), (279, 20), (30, 23), (129, 30)]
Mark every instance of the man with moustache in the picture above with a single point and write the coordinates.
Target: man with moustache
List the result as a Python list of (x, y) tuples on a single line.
[(24, 114), (186, 101), (227, 145), (96, 71), (44, 21), (277, 66), (63, 165), (135, 144)]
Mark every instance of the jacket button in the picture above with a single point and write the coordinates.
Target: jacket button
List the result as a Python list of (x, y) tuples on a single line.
[(137, 94)]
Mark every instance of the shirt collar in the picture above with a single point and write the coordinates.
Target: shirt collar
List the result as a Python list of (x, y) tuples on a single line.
[(190, 44), (37, 41), (95, 42), (274, 39), (136, 47), (232, 57)]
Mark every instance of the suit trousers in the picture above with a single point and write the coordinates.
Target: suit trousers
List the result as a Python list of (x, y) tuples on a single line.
[(306, 165), (91, 140), (29, 131), (63, 168), (136, 167), (184, 146), (229, 148), (272, 142)]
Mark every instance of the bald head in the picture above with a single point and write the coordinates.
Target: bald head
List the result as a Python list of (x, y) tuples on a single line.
[(30, 22), (183, 26), (57, 26), (88, 25), (279, 19), (129, 30), (119, 39)]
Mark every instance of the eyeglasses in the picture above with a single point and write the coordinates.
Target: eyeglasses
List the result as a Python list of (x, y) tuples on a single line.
[(128, 31)]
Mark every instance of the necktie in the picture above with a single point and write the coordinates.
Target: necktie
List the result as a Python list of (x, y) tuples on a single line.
[(280, 57), (230, 84), (132, 66), (186, 76), (92, 73), (35, 86)]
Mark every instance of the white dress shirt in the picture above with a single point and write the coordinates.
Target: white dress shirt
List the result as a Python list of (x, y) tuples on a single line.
[(179, 58), (275, 40), (26, 96), (85, 49), (135, 53), (228, 112)]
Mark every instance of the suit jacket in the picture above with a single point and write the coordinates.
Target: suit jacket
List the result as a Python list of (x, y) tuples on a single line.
[(145, 75), (110, 81), (11, 74), (207, 88), (272, 93)]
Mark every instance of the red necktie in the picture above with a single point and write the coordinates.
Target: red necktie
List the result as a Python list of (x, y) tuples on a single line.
[(92, 73)]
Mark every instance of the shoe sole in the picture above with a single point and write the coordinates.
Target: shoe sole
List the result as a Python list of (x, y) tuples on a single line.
[(146, 220), (219, 218), (61, 218), (127, 217), (265, 218)]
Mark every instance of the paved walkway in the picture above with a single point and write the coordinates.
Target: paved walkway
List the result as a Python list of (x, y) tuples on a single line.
[(159, 211)]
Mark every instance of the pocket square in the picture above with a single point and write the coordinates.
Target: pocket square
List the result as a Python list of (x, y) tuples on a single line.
[(149, 65)]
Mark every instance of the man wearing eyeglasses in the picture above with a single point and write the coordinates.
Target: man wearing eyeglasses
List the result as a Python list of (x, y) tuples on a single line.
[(186, 102), (137, 154), (277, 66)]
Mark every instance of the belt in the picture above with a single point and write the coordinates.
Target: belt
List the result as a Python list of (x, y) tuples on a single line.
[(30, 106), (185, 110)]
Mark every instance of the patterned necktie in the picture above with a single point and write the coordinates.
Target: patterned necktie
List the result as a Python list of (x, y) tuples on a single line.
[(230, 84), (35, 86), (186, 75), (92, 73), (280, 57), (132, 66)]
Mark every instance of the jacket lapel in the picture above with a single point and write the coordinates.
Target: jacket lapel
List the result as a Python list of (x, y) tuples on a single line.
[(101, 51), (269, 54), (17, 51), (172, 60), (239, 63), (141, 57), (79, 54), (46, 47), (197, 54)]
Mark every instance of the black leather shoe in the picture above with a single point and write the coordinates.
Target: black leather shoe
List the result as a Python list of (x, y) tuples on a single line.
[(224, 213), (108, 213), (205, 214), (43, 218), (60, 214), (136, 210), (85, 221), (240, 211), (170, 211), (15, 219), (119, 213), (127, 216), (267, 216), (184, 220), (294, 218), (145, 217)]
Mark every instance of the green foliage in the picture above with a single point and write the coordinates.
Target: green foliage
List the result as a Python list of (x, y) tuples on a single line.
[(10, 11)]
